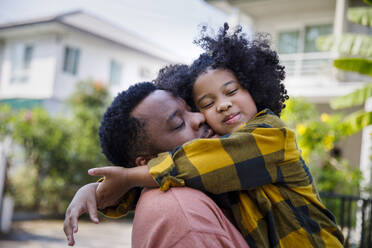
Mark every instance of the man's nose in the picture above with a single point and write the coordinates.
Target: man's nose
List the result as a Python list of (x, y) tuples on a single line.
[(223, 106), (197, 120)]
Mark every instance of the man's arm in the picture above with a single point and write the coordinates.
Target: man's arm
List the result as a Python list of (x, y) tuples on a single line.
[(83, 201)]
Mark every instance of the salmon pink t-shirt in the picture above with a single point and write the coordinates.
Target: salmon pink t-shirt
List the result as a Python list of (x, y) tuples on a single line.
[(182, 217)]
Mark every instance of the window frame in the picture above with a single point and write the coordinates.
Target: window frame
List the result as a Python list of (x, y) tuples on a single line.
[(71, 58), (298, 31), (115, 74), (20, 63), (301, 46)]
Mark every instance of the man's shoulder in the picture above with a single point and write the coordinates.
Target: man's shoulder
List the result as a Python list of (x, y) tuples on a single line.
[(181, 216), (163, 219), (192, 208), (158, 220), (175, 199)]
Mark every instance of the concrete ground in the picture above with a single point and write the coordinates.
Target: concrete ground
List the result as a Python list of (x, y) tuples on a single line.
[(49, 234)]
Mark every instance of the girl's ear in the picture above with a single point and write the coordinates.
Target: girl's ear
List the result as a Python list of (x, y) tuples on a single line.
[(142, 160)]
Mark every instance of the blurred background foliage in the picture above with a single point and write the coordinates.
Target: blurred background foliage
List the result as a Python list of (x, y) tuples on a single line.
[(57, 150), (355, 55), (335, 174), (318, 135)]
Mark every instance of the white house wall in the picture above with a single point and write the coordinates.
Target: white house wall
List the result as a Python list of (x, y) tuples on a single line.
[(41, 72), (94, 63)]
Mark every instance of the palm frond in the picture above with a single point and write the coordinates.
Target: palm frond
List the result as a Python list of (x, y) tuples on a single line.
[(360, 15), (356, 121), (359, 65), (348, 44), (355, 98)]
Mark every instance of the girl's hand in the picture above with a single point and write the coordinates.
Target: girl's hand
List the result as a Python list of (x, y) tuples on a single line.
[(114, 185), (118, 181)]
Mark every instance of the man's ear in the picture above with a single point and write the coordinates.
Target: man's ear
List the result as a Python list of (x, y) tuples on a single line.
[(142, 160)]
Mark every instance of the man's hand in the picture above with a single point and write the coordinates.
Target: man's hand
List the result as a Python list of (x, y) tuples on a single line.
[(118, 181), (83, 201)]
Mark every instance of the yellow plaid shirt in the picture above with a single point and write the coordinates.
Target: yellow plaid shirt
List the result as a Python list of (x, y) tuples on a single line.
[(269, 187)]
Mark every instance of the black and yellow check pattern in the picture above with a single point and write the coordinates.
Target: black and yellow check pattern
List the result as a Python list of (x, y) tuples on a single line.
[(126, 204), (270, 189)]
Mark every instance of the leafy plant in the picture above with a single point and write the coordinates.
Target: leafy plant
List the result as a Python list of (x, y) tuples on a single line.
[(356, 52), (318, 136), (58, 150)]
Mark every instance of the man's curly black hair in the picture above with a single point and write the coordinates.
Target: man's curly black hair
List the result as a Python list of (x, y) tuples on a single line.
[(253, 62), (122, 137)]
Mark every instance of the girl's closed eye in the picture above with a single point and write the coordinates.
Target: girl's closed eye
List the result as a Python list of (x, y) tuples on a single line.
[(231, 92)]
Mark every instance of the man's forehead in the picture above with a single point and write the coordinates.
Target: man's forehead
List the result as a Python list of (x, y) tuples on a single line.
[(158, 105)]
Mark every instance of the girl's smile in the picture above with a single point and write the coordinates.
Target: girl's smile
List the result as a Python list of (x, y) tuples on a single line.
[(231, 119)]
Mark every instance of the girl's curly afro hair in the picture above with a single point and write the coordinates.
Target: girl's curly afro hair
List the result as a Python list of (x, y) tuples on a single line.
[(253, 62)]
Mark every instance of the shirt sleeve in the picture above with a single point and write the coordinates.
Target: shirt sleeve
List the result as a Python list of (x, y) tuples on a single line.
[(245, 159), (126, 203)]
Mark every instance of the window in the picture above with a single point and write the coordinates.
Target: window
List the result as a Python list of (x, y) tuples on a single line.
[(71, 60), (304, 40), (288, 42), (21, 58), (27, 56), (312, 33), (16, 54), (115, 72)]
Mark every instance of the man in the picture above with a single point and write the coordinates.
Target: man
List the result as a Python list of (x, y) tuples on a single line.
[(140, 123)]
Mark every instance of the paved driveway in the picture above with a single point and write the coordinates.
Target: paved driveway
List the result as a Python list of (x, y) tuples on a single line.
[(49, 234)]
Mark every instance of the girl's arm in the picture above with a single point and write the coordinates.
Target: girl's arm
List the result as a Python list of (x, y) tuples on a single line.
[(257, 154), (254, 155)]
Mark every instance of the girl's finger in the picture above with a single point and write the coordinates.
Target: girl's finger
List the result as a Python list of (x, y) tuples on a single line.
[(102, 171)]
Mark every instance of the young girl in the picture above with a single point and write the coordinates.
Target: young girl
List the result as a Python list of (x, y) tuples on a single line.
[(237, 85), (254, 65)]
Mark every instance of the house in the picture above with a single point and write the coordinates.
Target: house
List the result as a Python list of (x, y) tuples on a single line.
[(41, 60), (294, 26)]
